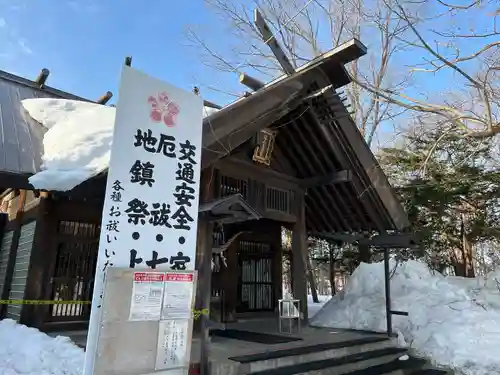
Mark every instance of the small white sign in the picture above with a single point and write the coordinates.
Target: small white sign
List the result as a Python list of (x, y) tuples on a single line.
[(178, 296), (147, 296), (173, 344)]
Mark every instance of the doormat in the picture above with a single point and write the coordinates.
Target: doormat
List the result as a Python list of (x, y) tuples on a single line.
[(257, 337)]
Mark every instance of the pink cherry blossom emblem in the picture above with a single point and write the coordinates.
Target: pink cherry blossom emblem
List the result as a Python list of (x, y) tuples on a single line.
[(163, 109)]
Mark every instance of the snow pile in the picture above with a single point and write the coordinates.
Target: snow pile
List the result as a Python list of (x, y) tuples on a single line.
[(77, 144), (485, 291), (446, 323), (27, 351)]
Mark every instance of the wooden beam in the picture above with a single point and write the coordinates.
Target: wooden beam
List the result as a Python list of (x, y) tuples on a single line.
[(209, 104), (44, 194), (338, 237), (250, 82), (240, 169), (316, 199), (105, 98), (42, 77), (235, 124), (271, 41), (392, 241), (239, 121), (329, 179)]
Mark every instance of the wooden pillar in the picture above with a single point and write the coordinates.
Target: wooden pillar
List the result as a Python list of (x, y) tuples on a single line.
[(11, 262), (204, 267), (277, 263), (332, 271), (278, 274), (37, 282), (365, 254), (299, 251), (231, 280), (204, 244), (3, 223)]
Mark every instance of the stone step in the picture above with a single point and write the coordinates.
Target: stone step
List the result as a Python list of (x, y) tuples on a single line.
[(309, 353), (394, 367), (430, 372), (341, 365)]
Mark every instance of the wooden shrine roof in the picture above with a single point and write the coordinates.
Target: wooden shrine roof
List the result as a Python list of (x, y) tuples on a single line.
[(316, 137)]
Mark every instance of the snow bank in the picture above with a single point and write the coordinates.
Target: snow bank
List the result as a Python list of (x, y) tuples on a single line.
[(27, 351), (77, 144), (447, 322)]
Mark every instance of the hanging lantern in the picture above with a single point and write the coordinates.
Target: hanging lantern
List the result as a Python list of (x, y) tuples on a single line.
[(264, 150)]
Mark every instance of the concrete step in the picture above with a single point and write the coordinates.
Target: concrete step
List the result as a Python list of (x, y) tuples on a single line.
[(394, 367), (341, 365), (430, 372), (304, 354)]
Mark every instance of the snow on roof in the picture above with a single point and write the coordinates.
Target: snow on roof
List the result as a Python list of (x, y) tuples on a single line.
[(452, 321), (27, 351), (77, 142)]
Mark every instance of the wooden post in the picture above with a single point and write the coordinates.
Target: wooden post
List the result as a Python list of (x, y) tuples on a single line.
[(251, 82), (299, 251), (231, 288), (42, 77), (387, 284), (11, 262), (105, 98), (204, 244), (204, 267), (278, 264), (332, 271), (311, 276), (37, 278)]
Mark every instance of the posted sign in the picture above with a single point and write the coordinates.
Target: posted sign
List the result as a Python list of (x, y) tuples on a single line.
[(147, 295), (178, 296), (150, 211)]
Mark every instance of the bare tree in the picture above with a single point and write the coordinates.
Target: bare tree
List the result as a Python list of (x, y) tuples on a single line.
[(306, 29), (440, 58), (457, 47)]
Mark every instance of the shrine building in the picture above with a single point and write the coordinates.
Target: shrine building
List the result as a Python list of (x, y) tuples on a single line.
[(287, 155)]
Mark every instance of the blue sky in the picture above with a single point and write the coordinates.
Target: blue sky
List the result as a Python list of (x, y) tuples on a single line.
[(83, 43)]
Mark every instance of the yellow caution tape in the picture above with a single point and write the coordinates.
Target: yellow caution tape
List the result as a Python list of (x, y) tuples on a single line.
[(196, 313), (39, 302)]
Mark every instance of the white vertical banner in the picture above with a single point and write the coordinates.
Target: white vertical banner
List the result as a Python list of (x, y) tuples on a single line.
[(150, 213)]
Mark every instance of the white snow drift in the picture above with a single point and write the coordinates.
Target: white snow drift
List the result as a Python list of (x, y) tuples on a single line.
[(77, 144), (27, 351), (453, 325)]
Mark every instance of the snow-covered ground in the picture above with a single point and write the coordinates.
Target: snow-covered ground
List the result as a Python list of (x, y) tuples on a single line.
[(27, 351), (453, 321), (313, 308), (77, 142)]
